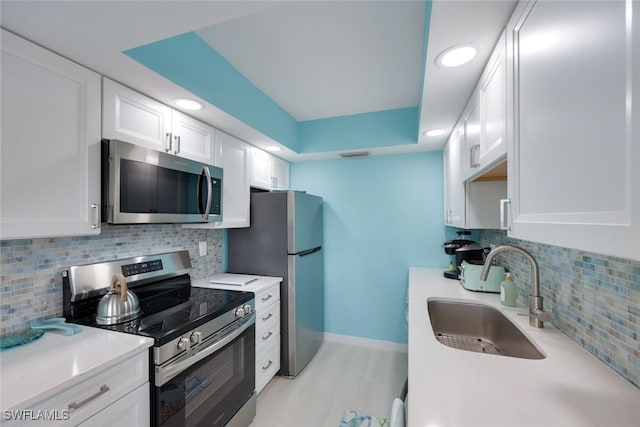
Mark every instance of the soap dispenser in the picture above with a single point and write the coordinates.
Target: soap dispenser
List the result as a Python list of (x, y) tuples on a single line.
[(508, 291)]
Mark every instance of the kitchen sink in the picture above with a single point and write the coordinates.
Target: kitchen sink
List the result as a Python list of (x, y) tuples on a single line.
[(480, 328)]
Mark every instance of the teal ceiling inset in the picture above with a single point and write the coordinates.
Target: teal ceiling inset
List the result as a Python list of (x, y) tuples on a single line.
[(190, 62)]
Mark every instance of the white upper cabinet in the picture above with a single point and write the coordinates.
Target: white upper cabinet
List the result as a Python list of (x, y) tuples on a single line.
[(574, 153), (132, 117), (471, 204), (485, 117), (472, 137), (50, 144), (232, 155), (279, 173), (492, 92), (268, 172), (135, 118), (454, 186), (260, 169), (192, 138)]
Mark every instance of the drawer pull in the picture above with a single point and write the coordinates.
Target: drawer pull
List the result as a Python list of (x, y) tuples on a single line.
[(265, 318), (267, 298), (264, 368), (77, 405), (266, 337)]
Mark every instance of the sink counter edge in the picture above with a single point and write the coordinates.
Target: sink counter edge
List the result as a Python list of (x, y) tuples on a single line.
[(450, 387)]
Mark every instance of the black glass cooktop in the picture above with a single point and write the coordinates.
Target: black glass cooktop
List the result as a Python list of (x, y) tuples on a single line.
[(169, 308)]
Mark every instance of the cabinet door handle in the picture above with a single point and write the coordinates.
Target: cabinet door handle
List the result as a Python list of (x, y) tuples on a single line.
[(177, 139), (95, 209), (474, 157), (449, 216), (77, 405), (267, 298), (264, 368), (167, 148), (504, 215), (265, 318), (266, 337)]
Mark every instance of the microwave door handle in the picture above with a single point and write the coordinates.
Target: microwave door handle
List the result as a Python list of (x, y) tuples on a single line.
[(204, 213)]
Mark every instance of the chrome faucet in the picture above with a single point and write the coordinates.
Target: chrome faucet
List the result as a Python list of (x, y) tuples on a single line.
[(537, 316)]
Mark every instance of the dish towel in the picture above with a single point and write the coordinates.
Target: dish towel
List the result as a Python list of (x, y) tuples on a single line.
[(352, 418)]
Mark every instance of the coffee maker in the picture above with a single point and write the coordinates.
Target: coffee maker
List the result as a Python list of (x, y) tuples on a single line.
[(462, 249)]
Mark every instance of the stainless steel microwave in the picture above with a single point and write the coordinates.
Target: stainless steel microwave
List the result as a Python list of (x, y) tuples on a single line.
[(142, 186)]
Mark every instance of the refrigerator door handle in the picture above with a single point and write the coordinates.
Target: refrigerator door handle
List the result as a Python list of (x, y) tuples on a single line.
[(309, 251)]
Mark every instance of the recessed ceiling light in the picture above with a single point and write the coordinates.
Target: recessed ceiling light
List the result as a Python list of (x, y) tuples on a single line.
[(457, 55), (189, 104), (434, 132), (272, 147)]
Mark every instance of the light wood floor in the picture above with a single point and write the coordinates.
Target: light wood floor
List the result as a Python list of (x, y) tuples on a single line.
[(339, 377)]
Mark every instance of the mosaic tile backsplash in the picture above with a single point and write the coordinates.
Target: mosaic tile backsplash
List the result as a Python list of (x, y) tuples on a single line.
[(594, 299), (31, 275)]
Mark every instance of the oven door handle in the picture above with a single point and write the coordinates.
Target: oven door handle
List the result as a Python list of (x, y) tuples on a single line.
[(164, 374)]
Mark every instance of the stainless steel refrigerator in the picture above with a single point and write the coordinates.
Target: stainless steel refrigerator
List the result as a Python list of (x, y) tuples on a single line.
[(285, 240)]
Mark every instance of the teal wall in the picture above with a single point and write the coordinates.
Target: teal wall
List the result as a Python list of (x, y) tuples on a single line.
[(382, 215)]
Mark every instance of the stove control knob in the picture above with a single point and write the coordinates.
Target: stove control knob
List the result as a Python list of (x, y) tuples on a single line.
[(195, 337), (247, 309), (239, 312), (183, 344)]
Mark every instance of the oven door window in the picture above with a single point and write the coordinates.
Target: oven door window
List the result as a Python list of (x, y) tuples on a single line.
[(211, 391)]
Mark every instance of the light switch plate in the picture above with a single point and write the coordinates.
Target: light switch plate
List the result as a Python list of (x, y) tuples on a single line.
[(202, 246)]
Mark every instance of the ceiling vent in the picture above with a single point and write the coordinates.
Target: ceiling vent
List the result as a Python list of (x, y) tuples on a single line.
[(354, 154)]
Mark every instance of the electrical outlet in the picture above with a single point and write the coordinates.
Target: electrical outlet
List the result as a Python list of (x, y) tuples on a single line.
[(202, 246)]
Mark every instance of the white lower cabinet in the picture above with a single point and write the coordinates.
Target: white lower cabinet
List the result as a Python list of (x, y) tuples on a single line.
[(574, 151), (267, 335), (132, 410), (266, 292), (267, 364), (50, 144), (118, 395)]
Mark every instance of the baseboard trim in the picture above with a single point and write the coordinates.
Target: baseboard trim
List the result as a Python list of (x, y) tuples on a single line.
[(366, 342)]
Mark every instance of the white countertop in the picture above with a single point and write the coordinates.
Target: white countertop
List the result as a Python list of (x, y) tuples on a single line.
[(40, 369), (261, 283), (450, 387)]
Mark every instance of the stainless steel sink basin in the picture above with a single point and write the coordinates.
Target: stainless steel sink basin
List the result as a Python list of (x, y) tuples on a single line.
[(480, 328)]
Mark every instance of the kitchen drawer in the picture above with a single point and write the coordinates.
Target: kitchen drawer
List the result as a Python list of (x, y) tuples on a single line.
[(132, 410), (267, 296), (268, 333), (267, 364), (81, 401), (267, 317)]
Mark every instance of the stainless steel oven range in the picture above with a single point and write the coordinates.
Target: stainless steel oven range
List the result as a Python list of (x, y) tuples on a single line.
[(203, 359)]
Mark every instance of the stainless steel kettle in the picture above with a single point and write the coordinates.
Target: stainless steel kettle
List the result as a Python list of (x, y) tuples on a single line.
[(119, 304)]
